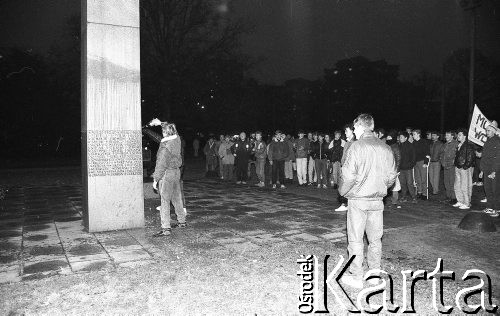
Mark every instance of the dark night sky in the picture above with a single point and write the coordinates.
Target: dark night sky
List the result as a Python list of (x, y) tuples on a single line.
[(298, 38)]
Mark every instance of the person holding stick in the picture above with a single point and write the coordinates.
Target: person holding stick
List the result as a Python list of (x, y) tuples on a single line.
[(167, 178)]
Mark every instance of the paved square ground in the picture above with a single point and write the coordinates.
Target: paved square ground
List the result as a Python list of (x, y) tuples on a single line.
[(244, 229)]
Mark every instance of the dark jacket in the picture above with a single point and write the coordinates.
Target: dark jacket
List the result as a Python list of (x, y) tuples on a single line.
[(168, 156), (291, 153), (336, 151), (397, 155), (347, 145), (465, 156), (260, 149), (368, 170), (407, 156), (302, 147), (449, 153), (490, 159), (278, 150), (422, 149), (436, 151), (320, 150), (241, 150), (311, 145)]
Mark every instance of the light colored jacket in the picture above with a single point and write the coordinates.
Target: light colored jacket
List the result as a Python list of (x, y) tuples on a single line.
[(368, 170), (225, 153), (168, 156)]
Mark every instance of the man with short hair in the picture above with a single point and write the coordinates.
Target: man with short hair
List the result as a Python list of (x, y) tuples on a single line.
[(448, 162), (277, 154), (409, 130), (311, 166), (436, 151), (336, 149), (367, 173), (260, 151), (301, 146), (422, 152), (241, 151), (490, 164), (464, 167), (350, 138), (406, 168)]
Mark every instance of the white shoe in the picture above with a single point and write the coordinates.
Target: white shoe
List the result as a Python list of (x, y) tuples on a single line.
[(158, 208), (485, 200), (185, 211), (283, 186), (474, 183), (489, 211), (479, 184), (464, 207), (352, 282), (458, 204), (341, 208), (494, 214), (274, 186)]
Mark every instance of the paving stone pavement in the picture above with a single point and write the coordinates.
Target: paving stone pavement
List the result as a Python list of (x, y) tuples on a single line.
[(41, 231)]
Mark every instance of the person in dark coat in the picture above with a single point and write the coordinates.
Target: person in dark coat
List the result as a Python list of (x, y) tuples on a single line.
[(406, 168), (277, 154), (464, 167), (242, 149), (490, 164)]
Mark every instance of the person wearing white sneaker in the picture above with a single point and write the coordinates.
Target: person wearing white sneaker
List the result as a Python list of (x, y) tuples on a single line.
[(464, 167), (485, 200), (341, 208), (464, 207), (368, 171)]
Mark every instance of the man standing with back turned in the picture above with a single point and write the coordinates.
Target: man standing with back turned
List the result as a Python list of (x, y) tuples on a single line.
[(368, 170)]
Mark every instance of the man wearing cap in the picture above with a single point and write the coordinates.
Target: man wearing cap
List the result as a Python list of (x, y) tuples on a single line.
[(490, 165)]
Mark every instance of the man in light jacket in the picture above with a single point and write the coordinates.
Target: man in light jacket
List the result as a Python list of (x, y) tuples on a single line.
[(368, 171), (227, 158)]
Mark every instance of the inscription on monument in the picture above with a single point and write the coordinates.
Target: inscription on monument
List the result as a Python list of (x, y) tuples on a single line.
[(114, 153)]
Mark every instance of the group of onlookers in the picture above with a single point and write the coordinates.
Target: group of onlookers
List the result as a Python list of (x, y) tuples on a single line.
[(317, 159), (421, 161)]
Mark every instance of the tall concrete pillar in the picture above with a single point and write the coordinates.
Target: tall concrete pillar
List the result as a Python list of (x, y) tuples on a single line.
[(111, 115)]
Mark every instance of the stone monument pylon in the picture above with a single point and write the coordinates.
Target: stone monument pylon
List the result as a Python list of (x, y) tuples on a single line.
[(111, 115)]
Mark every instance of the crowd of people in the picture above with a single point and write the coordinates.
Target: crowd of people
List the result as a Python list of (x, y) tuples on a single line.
[(315, 159), (364, 164)]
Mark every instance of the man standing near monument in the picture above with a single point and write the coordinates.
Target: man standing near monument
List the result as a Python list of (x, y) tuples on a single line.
[(490, 165), (369, 170), (167, 176)]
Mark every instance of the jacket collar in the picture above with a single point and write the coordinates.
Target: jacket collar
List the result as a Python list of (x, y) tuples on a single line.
[(367, 134), (164, 139)]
